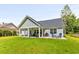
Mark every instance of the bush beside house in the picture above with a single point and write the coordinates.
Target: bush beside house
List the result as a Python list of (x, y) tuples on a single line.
[(7, 33)]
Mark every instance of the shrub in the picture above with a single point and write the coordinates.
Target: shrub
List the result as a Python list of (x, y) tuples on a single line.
[(14, 33), (0, 32), (76, 29), (7, 33)]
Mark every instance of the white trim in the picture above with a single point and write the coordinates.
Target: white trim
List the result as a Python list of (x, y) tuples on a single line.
[(28, 27), (28, 33), (19, 32), (42, 32), (39, 32)]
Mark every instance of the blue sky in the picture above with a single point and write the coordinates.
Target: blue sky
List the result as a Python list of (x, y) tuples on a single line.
[(16, 12)]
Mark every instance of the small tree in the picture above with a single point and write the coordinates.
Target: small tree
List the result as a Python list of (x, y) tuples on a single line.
[(69, 19)]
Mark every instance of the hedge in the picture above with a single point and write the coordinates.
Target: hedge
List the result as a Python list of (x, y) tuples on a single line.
[(7, 33)]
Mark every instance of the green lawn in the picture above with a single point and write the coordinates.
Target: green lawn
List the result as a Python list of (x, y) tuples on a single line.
[(20, 45)]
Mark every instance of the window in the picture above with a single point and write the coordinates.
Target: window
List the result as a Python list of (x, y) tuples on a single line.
[(55, 31), (51, 31)]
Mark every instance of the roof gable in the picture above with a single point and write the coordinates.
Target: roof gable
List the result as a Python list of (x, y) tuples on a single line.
[(31, 22)]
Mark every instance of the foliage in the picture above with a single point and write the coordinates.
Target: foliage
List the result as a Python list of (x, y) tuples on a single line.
[(70, 20), (66, 11), (14, 33), (7, 33), (0, 32), (76, 29)]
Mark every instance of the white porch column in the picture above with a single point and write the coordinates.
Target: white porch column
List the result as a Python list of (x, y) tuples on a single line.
[(42, 32), (39, 32), (28, 33)]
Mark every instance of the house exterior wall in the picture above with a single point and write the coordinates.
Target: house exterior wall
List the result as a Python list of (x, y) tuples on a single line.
[(28, 24), (23, 32), (47, 31), (58, 31)]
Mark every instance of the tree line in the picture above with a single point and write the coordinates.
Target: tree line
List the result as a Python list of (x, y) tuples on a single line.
[(71, 22)]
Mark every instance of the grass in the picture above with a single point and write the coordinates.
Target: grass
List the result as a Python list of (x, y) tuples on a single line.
[(21, 45)]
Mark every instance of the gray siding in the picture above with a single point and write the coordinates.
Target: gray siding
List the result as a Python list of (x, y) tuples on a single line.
[(28, 24)]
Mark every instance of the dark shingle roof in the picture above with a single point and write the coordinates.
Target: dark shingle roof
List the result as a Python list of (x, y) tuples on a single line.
[(52, 23)]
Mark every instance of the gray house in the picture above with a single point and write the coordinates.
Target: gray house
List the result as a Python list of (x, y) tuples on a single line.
[(47, 28)]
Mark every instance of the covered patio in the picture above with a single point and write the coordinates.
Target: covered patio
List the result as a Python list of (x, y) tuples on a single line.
[(32, 32), (38, 32)]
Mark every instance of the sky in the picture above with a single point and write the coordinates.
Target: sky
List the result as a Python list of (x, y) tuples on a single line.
[(15, 13)]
